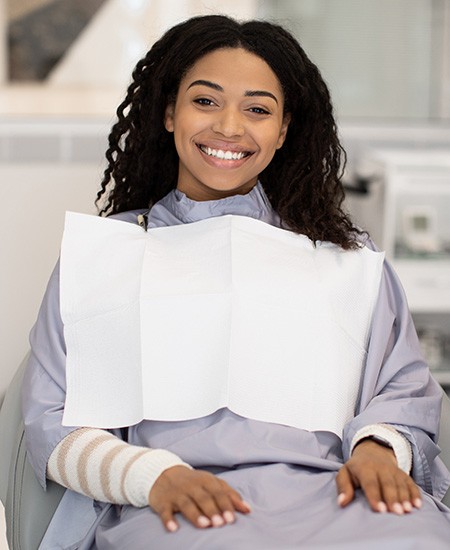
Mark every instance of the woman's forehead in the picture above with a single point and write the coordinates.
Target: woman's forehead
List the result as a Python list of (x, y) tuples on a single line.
[(233, 68)]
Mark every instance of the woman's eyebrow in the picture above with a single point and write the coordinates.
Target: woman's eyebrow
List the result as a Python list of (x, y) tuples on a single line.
[(208, 83), (218, 87), (260, 93)]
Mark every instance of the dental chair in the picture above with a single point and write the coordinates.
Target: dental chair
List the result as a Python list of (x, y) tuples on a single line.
[(29, 509)]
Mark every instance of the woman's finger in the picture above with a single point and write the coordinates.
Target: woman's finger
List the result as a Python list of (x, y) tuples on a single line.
[(214, 505), (390, 483), (404, 494), (190, 510), (225, 505), (239, 504), (407, 494), (371, 486), (228, 499), (414, 491), (345, 487), (166, 516)]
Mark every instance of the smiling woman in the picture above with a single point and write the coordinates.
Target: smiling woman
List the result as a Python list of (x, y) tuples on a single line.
[(227, 349), (228, 120)]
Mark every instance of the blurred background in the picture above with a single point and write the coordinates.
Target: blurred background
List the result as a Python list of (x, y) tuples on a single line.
[(64, 67)]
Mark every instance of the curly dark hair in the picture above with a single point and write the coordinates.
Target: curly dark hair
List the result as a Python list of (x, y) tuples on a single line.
[(302, 181)]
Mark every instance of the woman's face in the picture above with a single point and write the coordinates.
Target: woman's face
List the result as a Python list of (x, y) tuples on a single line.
[(227, 122)]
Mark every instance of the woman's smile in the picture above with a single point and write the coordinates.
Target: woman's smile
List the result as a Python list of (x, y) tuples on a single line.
[(224, 158)]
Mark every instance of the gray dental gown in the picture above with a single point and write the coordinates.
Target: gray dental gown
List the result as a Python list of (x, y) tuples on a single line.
[(287, 475)]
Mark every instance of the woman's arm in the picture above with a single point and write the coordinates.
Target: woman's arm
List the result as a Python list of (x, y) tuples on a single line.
[(98, 463), (398, 392), (101, 466)]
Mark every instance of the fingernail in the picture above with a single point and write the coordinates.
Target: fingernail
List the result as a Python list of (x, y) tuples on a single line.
[(171, 526), (341, 499), (217, 521), (397, 508), (203, 521), (382, 508), (228, 516), (418, 503), (247, 505), (407, 506)]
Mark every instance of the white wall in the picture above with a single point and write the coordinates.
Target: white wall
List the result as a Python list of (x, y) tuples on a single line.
[(33, 199), (3, 543)]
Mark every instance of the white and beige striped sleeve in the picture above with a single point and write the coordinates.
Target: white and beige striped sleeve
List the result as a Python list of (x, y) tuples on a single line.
[(98, 464)]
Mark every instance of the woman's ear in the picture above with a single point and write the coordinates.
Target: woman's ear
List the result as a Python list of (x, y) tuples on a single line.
[(283, 131), (168, 117)]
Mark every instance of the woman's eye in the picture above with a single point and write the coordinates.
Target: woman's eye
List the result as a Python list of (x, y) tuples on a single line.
[(204, 101), (259, 111)]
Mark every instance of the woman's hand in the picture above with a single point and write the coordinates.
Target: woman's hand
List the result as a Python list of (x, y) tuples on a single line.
[(204, 499), (373, 468)]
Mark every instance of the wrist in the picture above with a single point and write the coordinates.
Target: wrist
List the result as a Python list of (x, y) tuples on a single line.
[(145, 471), (389, 437), (370, 445)]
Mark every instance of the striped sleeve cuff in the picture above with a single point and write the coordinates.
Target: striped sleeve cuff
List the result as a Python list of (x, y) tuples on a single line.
[(99, 465), (388, 435)]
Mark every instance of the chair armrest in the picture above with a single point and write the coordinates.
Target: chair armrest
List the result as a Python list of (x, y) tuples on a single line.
[(28, 508), (444, 438), (10, 424)]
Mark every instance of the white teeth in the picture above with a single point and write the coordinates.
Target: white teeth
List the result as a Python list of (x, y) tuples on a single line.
[(223, 155)]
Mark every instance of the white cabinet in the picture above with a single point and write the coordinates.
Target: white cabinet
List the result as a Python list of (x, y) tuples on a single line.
[(415, 233)]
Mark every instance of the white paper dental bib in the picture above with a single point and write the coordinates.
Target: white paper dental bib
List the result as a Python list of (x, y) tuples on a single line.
[(177, 322)]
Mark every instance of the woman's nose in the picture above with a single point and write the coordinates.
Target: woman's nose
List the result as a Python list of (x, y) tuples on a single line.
[(229, 123)]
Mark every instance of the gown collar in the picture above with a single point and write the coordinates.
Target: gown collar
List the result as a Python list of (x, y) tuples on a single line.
[(254, 204)]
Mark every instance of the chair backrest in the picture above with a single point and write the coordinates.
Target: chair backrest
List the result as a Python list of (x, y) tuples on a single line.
[(444, 439), (28, 508)]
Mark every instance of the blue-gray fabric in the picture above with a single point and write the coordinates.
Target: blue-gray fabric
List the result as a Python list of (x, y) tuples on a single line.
[(287, 475)]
